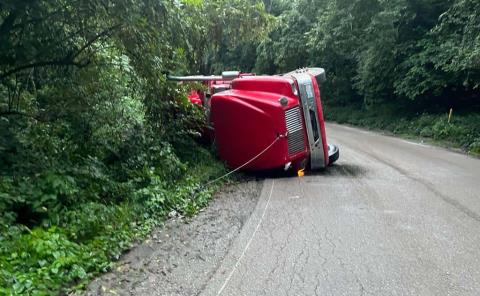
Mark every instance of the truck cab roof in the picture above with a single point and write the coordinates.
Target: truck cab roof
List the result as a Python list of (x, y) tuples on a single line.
[(271, 84)]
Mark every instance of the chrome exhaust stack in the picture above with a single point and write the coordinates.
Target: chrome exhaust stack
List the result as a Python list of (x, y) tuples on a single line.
[(226, 75)]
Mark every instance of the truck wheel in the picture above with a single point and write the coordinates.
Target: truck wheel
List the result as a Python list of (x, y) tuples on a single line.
[(333, 154)]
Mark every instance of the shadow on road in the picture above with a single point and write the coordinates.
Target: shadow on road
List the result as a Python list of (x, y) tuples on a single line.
[(341, 170), (268, 174), (336, 170)]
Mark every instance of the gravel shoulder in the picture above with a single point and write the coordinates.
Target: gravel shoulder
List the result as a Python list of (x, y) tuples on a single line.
[(181, 257)]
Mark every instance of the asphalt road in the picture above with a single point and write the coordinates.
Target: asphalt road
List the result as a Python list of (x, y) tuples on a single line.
[(392, 217)]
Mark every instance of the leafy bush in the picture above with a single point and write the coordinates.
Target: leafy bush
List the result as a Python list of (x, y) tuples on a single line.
[(40, 261), (475, 147), (71, 242)]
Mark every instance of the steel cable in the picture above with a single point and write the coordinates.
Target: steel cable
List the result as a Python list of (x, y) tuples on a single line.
[(243, 165)]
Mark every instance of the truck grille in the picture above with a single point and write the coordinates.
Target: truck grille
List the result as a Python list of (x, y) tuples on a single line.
[(296, 142)]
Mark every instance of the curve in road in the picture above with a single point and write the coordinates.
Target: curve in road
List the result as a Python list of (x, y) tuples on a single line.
[(391, 217)]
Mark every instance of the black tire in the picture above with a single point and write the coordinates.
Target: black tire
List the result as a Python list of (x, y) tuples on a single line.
[(333, 154)]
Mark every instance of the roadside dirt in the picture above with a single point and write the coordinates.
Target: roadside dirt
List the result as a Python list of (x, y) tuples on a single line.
[(180, 258)]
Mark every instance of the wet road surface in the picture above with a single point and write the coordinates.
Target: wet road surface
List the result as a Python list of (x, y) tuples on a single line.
[(391, 217)]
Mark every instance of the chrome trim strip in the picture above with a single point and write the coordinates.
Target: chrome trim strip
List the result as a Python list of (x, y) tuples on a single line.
[(307, 98)]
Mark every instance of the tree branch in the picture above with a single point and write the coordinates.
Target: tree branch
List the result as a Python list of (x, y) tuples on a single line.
[(104, 33), (62, 62), (18, 113), (69, 60)]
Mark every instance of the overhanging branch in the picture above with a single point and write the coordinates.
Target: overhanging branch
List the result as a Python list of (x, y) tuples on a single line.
[(69, 60)]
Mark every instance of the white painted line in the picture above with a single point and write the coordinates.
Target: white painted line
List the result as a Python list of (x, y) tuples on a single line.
[(416, 144), (248, 244)]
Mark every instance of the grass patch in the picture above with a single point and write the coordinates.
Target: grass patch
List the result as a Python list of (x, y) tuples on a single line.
[(463, 130)]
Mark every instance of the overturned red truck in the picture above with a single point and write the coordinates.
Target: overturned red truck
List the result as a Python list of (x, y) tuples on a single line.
[(267, 122)]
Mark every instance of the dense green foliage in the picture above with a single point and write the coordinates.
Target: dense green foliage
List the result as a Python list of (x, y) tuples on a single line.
[(463, 130), (96, 147), (410, 57), (380, 50)]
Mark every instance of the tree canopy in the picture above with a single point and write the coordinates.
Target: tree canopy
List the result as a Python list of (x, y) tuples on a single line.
[(377, 50)]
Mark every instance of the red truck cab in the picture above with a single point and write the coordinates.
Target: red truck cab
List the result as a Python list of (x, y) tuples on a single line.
[(267, 122), (259, 110)]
